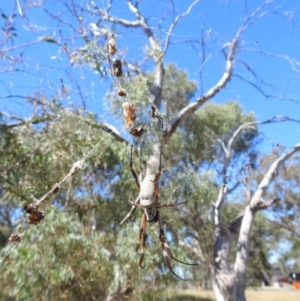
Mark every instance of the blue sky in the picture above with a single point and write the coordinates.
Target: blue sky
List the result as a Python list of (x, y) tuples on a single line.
[(276, 33)]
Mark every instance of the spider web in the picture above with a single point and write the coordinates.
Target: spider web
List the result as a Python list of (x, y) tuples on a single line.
[(52, 71)]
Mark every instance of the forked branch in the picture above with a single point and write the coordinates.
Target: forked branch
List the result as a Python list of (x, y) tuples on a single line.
[(240, 266), (175, 22), (191, 108), (226, 76)]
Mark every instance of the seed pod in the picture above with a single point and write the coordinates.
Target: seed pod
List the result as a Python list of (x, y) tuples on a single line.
[(136, 131), (117, 68), (111, 46), (129, 113), (16, 237), (35, 215), (122, 92)]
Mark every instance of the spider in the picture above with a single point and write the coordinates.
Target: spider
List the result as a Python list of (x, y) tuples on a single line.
[(149, 193)]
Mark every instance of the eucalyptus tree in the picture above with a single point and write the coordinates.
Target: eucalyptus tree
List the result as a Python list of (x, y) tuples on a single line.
[(81, 162)]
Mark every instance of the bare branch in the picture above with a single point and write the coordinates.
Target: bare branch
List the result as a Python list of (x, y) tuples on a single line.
[(16, 96), (254, 74), (223, 147), (109, 4), (194, 247), (261, 205), (240, 266), (250, 125), (120, 21), (174, 23), (255, 86), (254, 17), (108, 129), (242, 127), (295, 64), (154, 44), (191, 108), (19, 9), (225, 78), (37, 119), (140, 22), (236, 223), (269, 176), (41, 39), (32, 120), (220, 199)]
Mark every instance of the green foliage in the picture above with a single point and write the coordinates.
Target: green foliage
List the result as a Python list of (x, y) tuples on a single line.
[(69, 247), (55, 260), (260, 266), (177, 91), (285, 214), (198, 138)]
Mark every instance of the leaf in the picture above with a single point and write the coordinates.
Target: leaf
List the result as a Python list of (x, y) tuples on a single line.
[(48, 39)]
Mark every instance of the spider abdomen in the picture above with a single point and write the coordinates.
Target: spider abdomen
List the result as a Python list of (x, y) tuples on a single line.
[(147, 193)]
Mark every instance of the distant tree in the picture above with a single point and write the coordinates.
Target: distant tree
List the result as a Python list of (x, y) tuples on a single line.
[(284, 215)]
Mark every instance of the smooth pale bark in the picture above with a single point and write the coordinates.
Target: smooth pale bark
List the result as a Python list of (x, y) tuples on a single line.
[(230, 284), (240, 266)]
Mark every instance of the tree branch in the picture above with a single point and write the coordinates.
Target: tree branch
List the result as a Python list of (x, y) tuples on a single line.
[(37, 119), (156, 52), (236, 223), (242, 127), (261, 205), (142, 22), (227, 74), (295, 64), (174, 23), (39, 40), (191, 108), (240, 265), (120, 21), (269, 176), (195, 249), (108, 129)]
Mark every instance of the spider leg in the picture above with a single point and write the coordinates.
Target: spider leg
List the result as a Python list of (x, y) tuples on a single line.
[(135, 204), (169, 205), (142, 240), (132, 170), (167, 251)]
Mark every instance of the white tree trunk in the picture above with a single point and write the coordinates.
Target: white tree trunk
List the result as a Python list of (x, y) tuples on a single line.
[(218, 293), (230, 285), (256, 203), (223, 285), (240, 266)]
